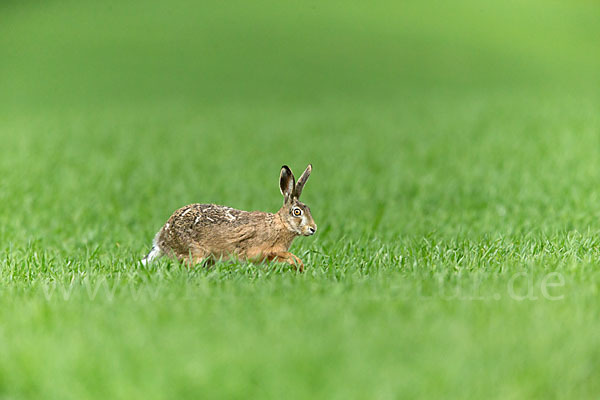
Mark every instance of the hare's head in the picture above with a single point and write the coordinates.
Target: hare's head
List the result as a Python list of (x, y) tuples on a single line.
[(296, 215)]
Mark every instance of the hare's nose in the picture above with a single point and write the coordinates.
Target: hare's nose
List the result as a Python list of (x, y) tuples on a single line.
[(312, 230)]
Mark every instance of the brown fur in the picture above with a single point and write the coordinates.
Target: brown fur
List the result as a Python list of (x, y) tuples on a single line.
[(206, 232)]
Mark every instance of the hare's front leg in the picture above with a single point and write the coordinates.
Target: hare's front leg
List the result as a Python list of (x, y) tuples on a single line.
[(286, 256)]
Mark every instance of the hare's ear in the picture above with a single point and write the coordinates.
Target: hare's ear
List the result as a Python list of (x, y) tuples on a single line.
[(287, 182), (302, 181)]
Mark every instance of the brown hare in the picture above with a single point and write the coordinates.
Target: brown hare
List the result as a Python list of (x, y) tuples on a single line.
[(208, 232)]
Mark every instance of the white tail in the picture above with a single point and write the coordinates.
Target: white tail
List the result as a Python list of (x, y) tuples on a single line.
[(155, 252)]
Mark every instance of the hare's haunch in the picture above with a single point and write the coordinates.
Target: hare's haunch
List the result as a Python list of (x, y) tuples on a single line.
[(208, 232)]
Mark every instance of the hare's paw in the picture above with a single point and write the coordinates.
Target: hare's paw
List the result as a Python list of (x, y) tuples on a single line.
[(289, 258), (295, 262)]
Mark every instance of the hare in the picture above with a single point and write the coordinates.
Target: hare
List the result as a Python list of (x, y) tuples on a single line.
[(200, 233)]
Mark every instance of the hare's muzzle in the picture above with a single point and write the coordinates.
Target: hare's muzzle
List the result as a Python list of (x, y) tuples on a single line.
[(311, 230)]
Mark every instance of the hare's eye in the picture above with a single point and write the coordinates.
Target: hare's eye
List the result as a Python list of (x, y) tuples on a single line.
[(297, 212)]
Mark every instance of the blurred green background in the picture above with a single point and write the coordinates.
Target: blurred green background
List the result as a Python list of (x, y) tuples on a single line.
[(81, 53), (455, 146)]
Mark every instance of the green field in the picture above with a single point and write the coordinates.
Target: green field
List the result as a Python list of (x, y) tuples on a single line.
[(456, 186)]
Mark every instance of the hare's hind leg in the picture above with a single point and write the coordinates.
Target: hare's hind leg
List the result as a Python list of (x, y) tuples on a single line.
[(197, 256), (191, 260)]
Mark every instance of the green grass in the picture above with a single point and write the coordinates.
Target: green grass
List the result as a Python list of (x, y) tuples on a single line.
[(455, 186)]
